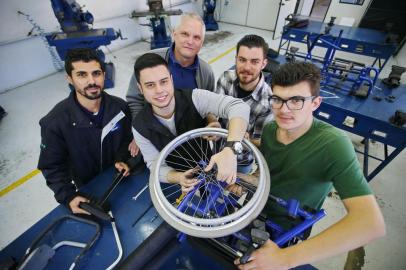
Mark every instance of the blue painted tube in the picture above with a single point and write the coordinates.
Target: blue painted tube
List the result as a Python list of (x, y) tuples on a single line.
[(284, 238), (183, 205)]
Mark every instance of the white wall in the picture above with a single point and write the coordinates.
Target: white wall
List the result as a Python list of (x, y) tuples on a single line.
[(306, 7), (233, 12), (24, 59), (253, 13), (339, 10), (262, 14)]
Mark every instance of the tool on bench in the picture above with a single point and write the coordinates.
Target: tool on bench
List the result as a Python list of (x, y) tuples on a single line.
[(399, 118), (294, 20), (329, 25), (393, 79), (99, 208)]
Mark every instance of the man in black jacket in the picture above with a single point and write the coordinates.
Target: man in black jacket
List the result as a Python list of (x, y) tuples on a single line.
[(170, 112), (85, 133)]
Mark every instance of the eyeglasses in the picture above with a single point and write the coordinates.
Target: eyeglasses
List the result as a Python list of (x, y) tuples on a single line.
[(293, 103)]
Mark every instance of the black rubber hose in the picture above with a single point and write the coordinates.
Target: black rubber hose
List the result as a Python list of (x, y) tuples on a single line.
[(162, 258), (149, 248)]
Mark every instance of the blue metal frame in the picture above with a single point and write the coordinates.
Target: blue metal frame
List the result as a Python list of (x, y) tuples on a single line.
[(355, 40), (209, 205), (361, 76), (330, 70)]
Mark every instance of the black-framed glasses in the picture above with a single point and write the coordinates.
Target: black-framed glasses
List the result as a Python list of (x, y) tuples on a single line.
[(293, 103)]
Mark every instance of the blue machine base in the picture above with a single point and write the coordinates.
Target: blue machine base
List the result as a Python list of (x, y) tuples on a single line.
[(160, 43), (213, 26)]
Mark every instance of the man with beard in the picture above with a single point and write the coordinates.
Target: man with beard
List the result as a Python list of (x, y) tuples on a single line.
[(248, 83), (85, 133)]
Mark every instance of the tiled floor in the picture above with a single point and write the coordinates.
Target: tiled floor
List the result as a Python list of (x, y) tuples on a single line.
[(20, 139)]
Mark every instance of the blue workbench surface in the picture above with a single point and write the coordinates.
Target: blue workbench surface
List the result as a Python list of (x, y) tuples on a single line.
[(355, 40), (104, 252), (353, 33), (370, 119), (184, 255), (372, 111)]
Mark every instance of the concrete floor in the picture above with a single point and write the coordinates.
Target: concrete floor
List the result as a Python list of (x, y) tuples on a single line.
[(20, 139)]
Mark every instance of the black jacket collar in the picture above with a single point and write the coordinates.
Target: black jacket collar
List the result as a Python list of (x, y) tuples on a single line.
[(151, 121)]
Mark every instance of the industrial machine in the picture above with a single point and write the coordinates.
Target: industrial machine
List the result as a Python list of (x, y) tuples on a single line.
[(208, 15), (157, 16), (78, 33)]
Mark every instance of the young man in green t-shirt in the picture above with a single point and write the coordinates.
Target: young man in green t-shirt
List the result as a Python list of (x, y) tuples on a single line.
[(306, 158)]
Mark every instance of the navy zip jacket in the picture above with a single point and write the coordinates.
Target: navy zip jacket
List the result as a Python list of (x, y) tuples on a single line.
[(74, 149)]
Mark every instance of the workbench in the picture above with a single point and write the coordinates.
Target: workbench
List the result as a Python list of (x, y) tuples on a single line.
[(125, 211), (134, 222), (368, 118), (355, 40)]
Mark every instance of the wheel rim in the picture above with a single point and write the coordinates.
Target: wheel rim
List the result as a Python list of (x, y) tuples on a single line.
[(198, 218)]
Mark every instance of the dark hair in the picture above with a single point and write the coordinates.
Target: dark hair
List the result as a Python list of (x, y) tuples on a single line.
[(293, 73), (251, 41), (148, 60), (82, 54)]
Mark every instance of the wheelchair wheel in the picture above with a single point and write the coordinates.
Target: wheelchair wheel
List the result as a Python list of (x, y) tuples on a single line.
[(212, 209)]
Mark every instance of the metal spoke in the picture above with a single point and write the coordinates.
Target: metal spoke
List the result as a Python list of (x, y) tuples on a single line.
[(203, 157), (213, 209), (191, 166), (186, 159)]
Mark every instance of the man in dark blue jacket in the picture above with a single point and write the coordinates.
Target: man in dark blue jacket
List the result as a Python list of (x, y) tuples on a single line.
[(85, 133)]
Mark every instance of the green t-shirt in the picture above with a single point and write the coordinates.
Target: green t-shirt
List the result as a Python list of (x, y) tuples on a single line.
[(310, 166)]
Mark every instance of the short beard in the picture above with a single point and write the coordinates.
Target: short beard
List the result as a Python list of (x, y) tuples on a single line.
[(94, 97), (250, 81)]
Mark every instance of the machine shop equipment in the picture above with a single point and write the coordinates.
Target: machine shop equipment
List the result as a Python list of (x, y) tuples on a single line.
[(344, 74), (158, 22), (208, 15), (77, 32)]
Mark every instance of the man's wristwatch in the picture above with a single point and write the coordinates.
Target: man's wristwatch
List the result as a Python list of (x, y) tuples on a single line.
[(236, 146)]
